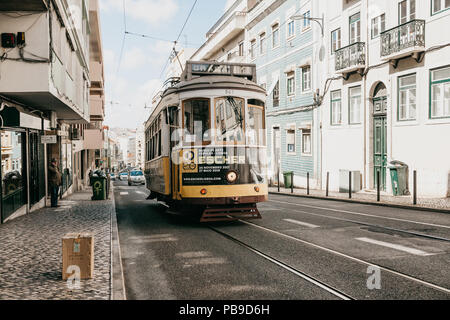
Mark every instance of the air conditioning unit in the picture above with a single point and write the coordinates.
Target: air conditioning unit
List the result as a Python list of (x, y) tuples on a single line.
[(75, 134)]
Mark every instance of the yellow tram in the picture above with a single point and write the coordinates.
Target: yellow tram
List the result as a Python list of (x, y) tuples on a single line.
[(205, 142)]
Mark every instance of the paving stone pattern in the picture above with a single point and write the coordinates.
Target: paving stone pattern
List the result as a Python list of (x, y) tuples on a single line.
[(31, 251)]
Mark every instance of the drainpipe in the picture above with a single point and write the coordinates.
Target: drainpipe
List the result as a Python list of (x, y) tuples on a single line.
[(366, 102)]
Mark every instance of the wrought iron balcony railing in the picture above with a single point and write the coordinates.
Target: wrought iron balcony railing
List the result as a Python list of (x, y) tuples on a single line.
[(351, 57), (408, 35)]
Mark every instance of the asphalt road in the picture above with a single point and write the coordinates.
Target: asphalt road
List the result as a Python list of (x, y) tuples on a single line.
[(302, 249)]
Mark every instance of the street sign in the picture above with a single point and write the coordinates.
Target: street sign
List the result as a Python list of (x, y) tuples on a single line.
[(48, 139)]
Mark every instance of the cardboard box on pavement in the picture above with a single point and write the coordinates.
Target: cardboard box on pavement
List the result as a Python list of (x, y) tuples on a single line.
[(78, 252)]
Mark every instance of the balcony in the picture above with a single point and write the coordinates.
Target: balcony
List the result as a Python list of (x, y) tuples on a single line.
[(351, 58), (97, 110), (405, 40), (93, 139), (217, 38)]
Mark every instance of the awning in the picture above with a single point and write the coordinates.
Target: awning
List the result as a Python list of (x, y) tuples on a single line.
[(274, 83), (13, 117)]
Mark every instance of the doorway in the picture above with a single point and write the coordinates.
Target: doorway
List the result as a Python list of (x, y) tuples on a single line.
[(380, 135)]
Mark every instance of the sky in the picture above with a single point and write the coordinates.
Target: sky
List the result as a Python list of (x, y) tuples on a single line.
[(132, 80)]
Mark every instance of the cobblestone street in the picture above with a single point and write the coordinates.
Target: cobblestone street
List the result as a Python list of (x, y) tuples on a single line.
[(31, 247)]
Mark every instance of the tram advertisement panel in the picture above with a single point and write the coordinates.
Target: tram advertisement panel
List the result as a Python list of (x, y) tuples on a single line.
[(223, 166)]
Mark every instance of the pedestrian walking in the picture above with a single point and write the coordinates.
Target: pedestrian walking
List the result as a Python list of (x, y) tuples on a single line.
[(54, 181)]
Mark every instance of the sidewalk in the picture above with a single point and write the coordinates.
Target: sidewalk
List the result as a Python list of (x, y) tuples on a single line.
[(370, 197), (31, 250)]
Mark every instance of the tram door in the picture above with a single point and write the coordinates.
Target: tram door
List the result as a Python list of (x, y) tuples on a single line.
[(173, 125), (276, 152)]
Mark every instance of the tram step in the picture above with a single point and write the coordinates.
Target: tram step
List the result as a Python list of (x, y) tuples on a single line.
[(212, 214)]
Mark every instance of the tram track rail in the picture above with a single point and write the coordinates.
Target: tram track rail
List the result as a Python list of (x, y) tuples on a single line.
[(330, 289), (358, 260), (417, 234)]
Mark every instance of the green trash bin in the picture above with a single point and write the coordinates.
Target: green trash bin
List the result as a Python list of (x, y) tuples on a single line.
[(288, 176), (398, 179), (98, 188)]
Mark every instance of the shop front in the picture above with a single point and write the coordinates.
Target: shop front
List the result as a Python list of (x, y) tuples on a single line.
[(22, 162)]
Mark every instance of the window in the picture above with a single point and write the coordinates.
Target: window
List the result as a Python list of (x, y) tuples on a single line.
[(355, 28), (291, 83), (290, 140), (378, 25), (439, 5), (306, 77), (12, 171), (407, 98), (336, 108), (440, 93), (406, 11), (275, 35), (291, 29), (335, 40), (306, 141), (229, 129), (355, 105), (262, 43), (241, 49), (306, 21), (256, 125), (276, 94), (196, 121), (253, 49)]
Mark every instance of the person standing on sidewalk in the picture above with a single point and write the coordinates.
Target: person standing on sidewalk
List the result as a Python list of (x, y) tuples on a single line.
[(54, 181)]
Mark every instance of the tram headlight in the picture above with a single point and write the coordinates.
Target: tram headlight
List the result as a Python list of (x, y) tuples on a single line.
[(203, 192), (232, 176)]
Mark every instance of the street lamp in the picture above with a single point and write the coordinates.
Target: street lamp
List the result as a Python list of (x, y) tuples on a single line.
[(320, 21)]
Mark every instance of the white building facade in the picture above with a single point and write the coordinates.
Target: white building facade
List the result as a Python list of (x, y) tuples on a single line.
[(391, 99)]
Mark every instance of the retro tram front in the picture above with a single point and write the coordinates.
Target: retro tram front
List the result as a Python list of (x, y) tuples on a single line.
[(205, 142)]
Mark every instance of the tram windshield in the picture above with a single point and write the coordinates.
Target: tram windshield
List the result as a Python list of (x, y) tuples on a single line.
[(256, 125), (197, 121), (229, 118)]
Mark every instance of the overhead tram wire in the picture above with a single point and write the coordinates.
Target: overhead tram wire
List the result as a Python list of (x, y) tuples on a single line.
[(156, 38), (176, 41)]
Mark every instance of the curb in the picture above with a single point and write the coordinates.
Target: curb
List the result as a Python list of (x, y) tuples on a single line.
[(117, 278), (380, 204)]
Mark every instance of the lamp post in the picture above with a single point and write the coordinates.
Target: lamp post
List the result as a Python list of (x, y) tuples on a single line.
[(320, 21)]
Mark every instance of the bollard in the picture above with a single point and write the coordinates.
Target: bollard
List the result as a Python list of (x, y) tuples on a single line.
[(415, 187), (378, 186), (328, 183), (292, 183), (278, 181), (307, 183), (349, 184)]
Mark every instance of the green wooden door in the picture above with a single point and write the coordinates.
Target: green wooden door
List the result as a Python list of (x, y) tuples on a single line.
[(380, 150)]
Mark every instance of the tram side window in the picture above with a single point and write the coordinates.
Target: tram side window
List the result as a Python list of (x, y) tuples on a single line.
[(196, 121), (256, 126), (229, 118)]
